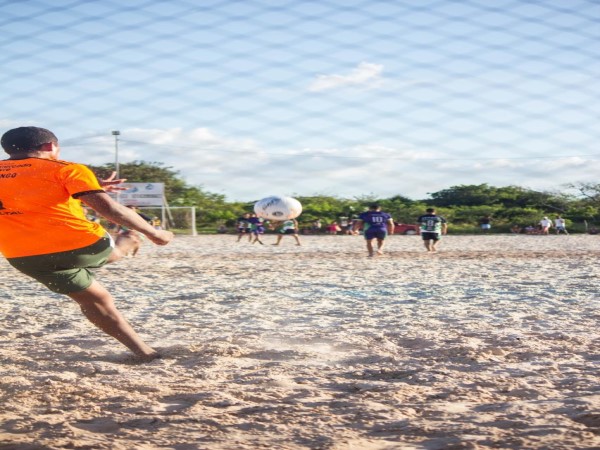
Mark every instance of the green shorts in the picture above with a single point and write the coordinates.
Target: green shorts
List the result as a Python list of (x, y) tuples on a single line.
[(66, 272)]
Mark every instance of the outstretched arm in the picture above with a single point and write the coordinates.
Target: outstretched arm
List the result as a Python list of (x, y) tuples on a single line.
[(117, 213), (112, 185)]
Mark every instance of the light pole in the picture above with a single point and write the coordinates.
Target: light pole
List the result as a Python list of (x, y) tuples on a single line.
[(116, 134)]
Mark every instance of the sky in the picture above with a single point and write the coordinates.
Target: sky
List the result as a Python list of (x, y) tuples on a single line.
[(346, 98)]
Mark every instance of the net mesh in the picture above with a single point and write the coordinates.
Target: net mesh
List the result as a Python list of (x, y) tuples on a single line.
[(255, 97)]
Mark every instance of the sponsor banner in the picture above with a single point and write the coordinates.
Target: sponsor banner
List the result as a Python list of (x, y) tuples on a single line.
[(140, 194)]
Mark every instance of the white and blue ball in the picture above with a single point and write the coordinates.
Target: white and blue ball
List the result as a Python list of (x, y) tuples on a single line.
[(278, 208)]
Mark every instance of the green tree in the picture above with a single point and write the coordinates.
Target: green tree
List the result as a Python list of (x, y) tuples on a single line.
[(588, 191), (326, 208), (549, 201), (147, 172), (462, 205), (465, 195), (210, 207)]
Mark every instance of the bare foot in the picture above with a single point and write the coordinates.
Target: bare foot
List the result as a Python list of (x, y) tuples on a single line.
[(147, 358)]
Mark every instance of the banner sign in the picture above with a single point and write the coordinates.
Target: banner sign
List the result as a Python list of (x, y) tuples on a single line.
[(140, 194)]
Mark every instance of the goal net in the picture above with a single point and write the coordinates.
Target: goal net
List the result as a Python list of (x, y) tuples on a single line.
[(178, 219)]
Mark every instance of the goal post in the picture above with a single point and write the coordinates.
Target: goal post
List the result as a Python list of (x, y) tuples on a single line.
[(178, 219), (149, 199)]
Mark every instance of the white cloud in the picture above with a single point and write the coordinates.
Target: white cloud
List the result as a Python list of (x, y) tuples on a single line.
[(365, 75), (500, 163), (573, 162), (245, 170), (7, 124)]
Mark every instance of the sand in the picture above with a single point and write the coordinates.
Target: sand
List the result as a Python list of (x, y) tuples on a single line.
[(490, 343)]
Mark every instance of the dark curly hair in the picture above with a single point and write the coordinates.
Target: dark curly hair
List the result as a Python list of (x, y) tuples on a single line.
[(26, 139)]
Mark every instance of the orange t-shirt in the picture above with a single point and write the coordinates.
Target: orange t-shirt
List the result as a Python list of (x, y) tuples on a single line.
[(39, 210)]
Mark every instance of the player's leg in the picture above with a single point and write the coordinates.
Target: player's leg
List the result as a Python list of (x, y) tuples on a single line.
[(370, 247), (434, 243), (429, 245), (257, 234), (380, 244), (98, 306), (126, 242)]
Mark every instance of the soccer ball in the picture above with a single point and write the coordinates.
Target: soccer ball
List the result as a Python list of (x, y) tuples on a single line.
[(278, 208)]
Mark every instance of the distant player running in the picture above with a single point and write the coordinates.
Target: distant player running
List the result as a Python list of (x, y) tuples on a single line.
[(377, 225), (244, 227), (432, 228), (287, 227), (257, 227)]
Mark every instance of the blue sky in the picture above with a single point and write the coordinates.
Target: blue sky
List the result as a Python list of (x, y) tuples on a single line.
[(348, 98)]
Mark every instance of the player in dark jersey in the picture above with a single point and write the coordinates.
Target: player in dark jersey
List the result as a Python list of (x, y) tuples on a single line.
[(244, 227), (377, 225), (432, 228), (257, 227)]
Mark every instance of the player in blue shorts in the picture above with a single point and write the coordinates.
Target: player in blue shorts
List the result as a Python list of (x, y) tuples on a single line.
[(257, 228), (432, 228), (377, 225)]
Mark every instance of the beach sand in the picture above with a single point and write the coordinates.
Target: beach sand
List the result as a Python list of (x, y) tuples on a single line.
[(490, 343)]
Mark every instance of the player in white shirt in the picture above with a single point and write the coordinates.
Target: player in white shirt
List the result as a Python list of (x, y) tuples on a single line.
[(545, 225), (560, 225)]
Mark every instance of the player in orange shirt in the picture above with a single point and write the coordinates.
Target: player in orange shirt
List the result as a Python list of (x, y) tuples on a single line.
[(44, 232)]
